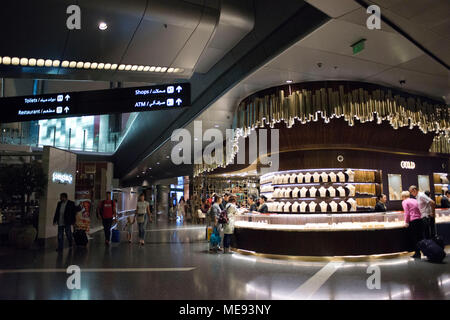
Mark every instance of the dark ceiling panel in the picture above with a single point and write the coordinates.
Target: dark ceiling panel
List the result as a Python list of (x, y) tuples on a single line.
[(93, 45), (33, 29)]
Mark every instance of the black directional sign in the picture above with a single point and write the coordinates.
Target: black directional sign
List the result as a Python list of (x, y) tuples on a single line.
[(120, 100)]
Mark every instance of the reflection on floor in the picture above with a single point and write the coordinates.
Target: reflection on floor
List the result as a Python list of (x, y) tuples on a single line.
[(175, 264)]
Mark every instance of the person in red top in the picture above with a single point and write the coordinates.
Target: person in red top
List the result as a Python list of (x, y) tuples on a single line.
[(107, 211), (413, 220)]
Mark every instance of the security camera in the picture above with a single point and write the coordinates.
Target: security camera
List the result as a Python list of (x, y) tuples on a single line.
[(402, 82)]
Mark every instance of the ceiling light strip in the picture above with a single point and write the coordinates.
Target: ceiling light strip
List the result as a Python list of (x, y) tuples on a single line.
[(32, 62)]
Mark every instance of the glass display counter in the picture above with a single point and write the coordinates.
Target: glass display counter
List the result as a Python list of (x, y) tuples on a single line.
[(329, 222), (329, 234)]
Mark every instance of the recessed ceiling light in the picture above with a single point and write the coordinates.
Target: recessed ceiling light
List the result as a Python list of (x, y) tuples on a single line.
[(140, 68), (80, 65), (170, 70), (65, 64), (134, 68), (94, 65), (146, 68), (102, 26), (163, 69), (48, 63), (122, 67), (152, 69), (100, 66), (289, 81), (32, 62), (55, 63), (15, 61), (107, 66), (128, 67), (23, 61), (6, 60), (216, 126), (158, 69), (40, 62), (176, 70), (114, 66)]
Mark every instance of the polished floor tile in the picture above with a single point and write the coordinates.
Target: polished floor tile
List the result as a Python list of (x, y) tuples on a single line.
[(175, 264)]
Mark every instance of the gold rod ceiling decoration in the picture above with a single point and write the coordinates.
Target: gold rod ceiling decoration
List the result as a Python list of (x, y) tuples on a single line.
[(348, 101)]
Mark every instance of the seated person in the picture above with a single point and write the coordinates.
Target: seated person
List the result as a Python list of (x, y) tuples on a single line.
[(445, 201), (262, 205), (381, 203)]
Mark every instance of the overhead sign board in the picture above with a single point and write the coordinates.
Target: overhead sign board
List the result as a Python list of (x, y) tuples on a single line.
[(120, 100)]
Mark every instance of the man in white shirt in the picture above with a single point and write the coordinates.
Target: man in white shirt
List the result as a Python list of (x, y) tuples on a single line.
[(427, 209)]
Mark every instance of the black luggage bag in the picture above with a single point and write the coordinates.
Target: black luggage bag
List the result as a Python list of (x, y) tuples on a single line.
[(80, 238), (432, 250)]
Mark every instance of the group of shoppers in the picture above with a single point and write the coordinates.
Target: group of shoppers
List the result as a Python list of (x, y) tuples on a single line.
[(420, 215), (218, 207), (222, 207), (66, 210)]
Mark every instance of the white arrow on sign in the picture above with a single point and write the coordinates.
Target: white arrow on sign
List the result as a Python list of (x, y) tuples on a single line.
[(66, 109), (179, 89), (67, 97), (178, 101)]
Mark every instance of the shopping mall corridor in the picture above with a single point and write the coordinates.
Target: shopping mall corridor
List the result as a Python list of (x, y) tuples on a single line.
[(175, 264)]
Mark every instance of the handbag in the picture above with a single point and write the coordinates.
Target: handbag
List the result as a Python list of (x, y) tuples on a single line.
[(200, 214)]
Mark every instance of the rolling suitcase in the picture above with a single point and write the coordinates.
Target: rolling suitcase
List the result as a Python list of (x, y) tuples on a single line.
[(431, 250), (80, 238), (115, 237)]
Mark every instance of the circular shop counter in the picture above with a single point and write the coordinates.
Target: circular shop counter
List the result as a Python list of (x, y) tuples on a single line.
[(329, 234)]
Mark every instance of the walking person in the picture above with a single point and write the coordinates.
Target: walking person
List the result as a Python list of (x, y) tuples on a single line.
[(129, 228), (213, 221), (228, 228), (181, 209), (142, 208), (427, 209), (64, 218), (413, 219), (107, 212)]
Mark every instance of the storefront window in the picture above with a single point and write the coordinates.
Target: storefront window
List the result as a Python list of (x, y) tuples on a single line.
[(395, 186), (424, 183)]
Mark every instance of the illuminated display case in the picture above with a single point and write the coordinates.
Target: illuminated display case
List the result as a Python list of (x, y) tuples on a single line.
[(325, 190), (330, 222), (329, 234), (440, 181)]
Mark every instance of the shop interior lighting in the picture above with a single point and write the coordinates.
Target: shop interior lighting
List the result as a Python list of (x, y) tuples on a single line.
[(32, 62), (102, 26)]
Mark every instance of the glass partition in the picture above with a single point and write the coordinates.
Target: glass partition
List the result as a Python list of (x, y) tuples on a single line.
[(424, 183), (102, 133), (395, 186)]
